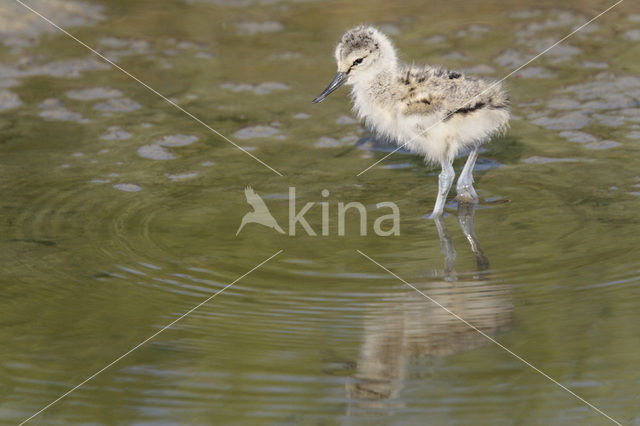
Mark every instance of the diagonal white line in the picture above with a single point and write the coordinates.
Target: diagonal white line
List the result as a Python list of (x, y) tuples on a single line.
[(494, 341), (496, 83), (151, 337), (151, 89)]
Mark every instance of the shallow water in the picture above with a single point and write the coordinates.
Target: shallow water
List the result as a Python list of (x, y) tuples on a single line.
[(119, 214)]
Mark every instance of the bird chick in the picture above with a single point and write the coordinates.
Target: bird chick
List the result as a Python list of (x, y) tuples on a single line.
[(431, 111)]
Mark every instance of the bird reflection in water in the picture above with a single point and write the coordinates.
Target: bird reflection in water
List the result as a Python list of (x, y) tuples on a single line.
[(411, 327)]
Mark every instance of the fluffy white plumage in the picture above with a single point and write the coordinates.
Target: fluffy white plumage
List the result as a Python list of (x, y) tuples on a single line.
[(429, 110)]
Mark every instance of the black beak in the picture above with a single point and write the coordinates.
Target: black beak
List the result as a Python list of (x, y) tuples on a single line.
[(337, 81)]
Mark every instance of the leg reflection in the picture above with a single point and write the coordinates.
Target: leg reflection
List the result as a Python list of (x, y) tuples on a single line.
[(465, 219), (409, 328), (465, 215), (447, 249)]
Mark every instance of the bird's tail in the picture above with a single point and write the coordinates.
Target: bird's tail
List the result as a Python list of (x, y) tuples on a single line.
[(277, 227), (241, 225)]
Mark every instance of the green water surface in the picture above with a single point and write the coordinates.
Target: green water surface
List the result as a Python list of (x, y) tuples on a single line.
[(319, 334)]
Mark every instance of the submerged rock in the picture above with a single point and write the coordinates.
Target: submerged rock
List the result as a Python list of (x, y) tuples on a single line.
[(571, 121), (252, 27), (327, 142), (256, 132), (525, 14), (455, 56), (478, 29), (9, 100), (177, 140), (609, 120), (594, 65), (435, 39), (607, 144), (389, 28), (155, 152), (19, 26), (268, 87), (535, 72), (54, 109), (68, 68), (578, 137), (510, 58), (559, 19), (349, 139), (345, 119), (117, 105), (562, 51), (563, 103), (127, 187), (115, 133), (119, 47), (94, 93), (536, 159), (632, 35), (181, 176), (9, 82), (608, 86), (204, 55), (479, 69), (286, 56), (259, 89)]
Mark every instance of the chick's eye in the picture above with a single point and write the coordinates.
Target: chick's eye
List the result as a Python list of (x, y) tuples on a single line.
[(358, 61)]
